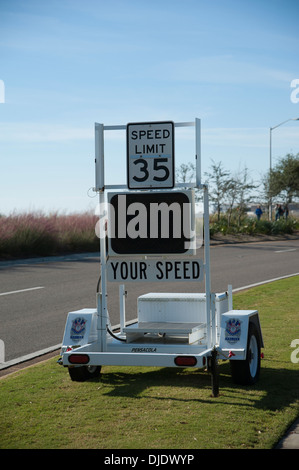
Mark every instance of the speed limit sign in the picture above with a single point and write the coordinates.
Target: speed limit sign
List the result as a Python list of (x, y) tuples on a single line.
[(150, 155)]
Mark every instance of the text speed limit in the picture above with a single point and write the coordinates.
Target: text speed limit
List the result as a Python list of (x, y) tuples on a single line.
[(150, 155)]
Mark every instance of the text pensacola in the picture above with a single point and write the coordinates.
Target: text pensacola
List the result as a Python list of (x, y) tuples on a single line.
[(150, 459)]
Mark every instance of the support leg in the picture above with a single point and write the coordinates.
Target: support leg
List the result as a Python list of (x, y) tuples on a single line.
[(213, 369)]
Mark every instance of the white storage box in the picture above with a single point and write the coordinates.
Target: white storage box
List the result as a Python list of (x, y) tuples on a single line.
[(175, 308), (171, 315)]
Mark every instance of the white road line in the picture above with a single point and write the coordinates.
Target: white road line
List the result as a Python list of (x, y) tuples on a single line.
[(21, 290), (284, 251), (265, 282)]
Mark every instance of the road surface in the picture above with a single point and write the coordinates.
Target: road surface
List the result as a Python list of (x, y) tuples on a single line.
[(35, 298)]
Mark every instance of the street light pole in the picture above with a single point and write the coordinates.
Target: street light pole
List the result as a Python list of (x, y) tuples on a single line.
[(271, 129)]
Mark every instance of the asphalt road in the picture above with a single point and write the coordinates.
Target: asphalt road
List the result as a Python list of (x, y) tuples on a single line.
[(35, 298)]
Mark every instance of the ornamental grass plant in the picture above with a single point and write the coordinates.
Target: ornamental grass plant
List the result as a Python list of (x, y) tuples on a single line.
[(37, 234)]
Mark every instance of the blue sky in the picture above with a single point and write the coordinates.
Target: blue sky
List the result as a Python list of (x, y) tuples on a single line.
[(70, 63)]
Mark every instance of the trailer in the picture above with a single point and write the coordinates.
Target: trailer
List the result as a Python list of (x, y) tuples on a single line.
[(148, 233)]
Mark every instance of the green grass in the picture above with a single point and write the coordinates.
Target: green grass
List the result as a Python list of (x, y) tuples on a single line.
[(162, 408)]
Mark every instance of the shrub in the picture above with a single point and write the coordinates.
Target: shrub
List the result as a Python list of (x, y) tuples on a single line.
[(284, 226), (264, 227), (252, 226)]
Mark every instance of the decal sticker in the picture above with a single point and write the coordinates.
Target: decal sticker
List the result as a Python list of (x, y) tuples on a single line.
[(78, 329), (149, 350), (233, 330)]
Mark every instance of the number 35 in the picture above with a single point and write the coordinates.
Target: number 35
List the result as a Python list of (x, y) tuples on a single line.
[(156, 167)]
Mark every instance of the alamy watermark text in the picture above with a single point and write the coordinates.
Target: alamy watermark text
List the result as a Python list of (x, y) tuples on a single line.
[(295, 353), (295, 93)]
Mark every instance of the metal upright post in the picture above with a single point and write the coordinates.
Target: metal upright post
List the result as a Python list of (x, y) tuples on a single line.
[(103, 306), (207, 262), (213, 318), (100, 186), (270, 170), (230, 297), (198, 151), (122, 307), (99, 157)]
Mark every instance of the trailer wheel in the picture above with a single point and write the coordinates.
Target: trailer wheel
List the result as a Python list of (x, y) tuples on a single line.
[(82, 373), (247, 372)]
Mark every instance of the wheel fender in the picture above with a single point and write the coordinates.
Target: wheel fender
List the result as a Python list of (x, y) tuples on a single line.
[(234, 332), (80, 328)]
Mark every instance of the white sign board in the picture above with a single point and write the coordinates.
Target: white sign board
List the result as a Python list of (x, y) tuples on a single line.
[(120, 270), (150, 155)]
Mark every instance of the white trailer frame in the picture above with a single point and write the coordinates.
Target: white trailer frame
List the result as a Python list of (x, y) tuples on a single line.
[(225, 334)]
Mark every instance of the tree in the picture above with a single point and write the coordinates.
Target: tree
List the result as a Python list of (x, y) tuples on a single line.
[(231, 196), (218, 181), (284, 178), (244, 188), (185, 173)]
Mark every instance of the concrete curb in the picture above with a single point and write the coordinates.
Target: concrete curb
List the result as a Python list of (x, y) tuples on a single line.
[(291, 438)]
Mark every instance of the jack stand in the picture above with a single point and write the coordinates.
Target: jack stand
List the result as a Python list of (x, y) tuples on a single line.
[(213, 369)]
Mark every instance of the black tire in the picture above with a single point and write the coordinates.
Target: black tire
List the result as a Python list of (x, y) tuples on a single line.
[(247, 372), (82, 373)]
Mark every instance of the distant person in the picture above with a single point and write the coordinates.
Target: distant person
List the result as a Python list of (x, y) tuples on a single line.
[(258, 212), (286, 211), (279, 211)]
